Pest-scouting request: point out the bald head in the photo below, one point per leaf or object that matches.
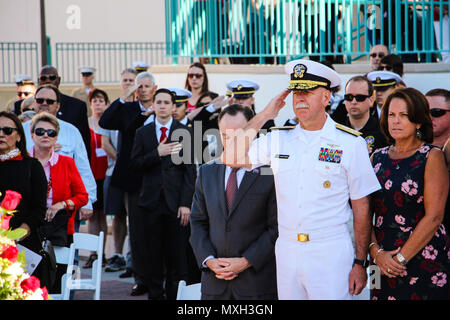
(49, 75)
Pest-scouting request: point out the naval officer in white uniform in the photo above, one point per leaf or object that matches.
(319, 166)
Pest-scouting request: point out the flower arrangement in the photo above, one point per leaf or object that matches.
(15, 283)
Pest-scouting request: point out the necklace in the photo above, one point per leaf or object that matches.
(13, 153)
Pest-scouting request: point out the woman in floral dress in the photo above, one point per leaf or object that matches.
(409, 244)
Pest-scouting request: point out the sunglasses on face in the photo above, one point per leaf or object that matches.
(358, 97)
(45, 78)
(386, 67)
(379, 54)
(48, 101)
(195, 75)
(86, 74)
(7, 130)
(41, 131)
(25, 94)
(437, 113)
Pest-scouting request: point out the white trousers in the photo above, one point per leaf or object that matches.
(314, 270)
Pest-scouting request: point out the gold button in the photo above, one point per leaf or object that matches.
(327, 184)
(303, 237)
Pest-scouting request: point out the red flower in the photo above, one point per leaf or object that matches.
(392, 282)
(399, 243)
(419, 216)
(387, 173)
(379, 235)
(32, 283)
(429, 265)
(44, 293)
(415, 296)
(11, 200)
(10, 253)
(379, 206)
(415, 163)
(5, 221)
(398, 198)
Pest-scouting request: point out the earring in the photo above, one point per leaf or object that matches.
(418, 134)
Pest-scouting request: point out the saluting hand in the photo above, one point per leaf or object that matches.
(165, 149)
(130, 91)
(220, 102)
(276, 104)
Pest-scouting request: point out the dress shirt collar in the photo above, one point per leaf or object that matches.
(184, 121)
(158, 125)
(143, 108)
(53, 157)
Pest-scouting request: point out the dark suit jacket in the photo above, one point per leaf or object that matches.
(74, 111)
(127, 118)
(161, 174)
(249, 230)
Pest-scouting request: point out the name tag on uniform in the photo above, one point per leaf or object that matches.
(330, 155)
(282, 156)
(100, 152)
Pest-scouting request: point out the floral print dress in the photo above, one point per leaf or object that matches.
(399, 207)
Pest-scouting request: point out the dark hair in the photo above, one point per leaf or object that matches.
(362, 79)
(205, 85)
(49, 86)
(98, 93)
(22, 144)
(234, 109)
(439, 93)
(394, 61)
(418, 112)
(164, 90)
(210, 94)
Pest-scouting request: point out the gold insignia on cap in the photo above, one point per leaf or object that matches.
(239, 87)
(327, 184)
(378, 80)
(299, 70)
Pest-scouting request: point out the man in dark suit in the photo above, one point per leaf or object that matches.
(165, 197)
(234, 224)
(71, 110)
(127, 117)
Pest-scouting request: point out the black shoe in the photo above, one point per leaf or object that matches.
(90, 261)
(116, 263)
(127, 274)
(138, 290)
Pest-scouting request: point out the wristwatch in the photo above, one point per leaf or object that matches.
(363, 263)
(401, 258)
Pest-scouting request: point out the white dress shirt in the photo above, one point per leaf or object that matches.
(70, 139)
(158, 127)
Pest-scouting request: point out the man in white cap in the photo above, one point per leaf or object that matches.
(318, 167)
(87, 77)
(140, 66)
(384, 82)
(181, 98)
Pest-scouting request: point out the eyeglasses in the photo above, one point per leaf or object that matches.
(437, 113)
(44, 78)
(25, 94)
(41, 131)
(380, 54)
(7, 130)
(86, 74)
(195, 75)
(387, 67)
(41, 101)
(358, 97)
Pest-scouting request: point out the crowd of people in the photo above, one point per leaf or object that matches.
(250, 210)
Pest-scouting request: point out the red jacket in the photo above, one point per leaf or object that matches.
(67, 185)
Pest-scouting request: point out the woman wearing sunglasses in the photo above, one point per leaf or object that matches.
(64, 189)
(409, 243)
(196, 82)
(21, 173)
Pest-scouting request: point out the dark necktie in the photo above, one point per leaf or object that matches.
(163, 134)
(231, 188)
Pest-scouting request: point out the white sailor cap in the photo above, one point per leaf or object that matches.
(22, 79)
(181, 95)
(308, 75)
(242, 89)
(87, 70)
(140, 66)
(382, 80)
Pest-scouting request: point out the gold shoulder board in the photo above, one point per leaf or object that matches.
(282, 128)
(348, 130)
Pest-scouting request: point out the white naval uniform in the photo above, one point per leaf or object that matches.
(313, 198)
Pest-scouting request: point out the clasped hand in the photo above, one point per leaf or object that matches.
(227, 268)
(165, 149)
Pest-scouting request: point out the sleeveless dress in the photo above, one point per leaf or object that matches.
(398, 208)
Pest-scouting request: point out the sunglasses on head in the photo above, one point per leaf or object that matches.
(25, 94)
(41, 131)
(387, 67)
(358, 97)
(437, 113)
(7, 130)
(379, 54)
(195, 75)
(48, 101)
(45, 78)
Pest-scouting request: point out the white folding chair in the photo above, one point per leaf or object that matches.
(62, 255)
(85, 241)
(190, 292)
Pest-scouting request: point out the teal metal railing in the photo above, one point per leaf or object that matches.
(109, 58)
(18, 58)
(297, 28)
